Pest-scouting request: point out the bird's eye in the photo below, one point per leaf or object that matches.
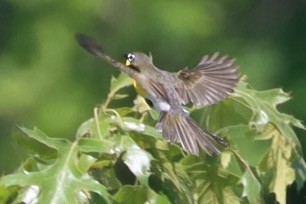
(130, 57)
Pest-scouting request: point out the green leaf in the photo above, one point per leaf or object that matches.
(60, 182)
(252, 186)
(97, 128)
(85, 162)
(93, 145)
(86, 129)
(161, 199)
(132, 194)
(263, 104)
(120, 96)
(118, 83)
(210, 183)
(36, 148)
(123, 111)
(138, 160)
(224, 114)
(139, 194)
(243, 139)
(300, 170)
(141, 105)
(230, 164)
(134, 125)
(7, 194)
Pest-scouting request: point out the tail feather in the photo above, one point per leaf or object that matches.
(181, 128)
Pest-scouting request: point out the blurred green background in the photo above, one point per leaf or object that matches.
(48, 81)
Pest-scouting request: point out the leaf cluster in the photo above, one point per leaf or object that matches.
(118, 157)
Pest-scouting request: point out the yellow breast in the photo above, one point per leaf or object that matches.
(139, 89)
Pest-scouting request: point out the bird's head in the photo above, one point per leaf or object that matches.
(138, 61)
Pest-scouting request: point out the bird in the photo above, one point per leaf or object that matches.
(212, 80)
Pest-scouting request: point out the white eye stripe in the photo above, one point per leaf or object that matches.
(130, 57)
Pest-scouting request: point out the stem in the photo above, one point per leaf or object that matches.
(96, 114)
(107, 102)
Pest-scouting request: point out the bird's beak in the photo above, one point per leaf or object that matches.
(128, 64)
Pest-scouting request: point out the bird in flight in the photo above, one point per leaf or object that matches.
(211, 81)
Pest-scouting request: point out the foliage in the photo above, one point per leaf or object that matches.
(117, 156)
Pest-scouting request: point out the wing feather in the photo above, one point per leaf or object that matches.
(212, 80)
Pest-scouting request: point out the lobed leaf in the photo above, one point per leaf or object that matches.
(60, 182)
(120, 82)
(118, 155)
(278, 161)
(263, 104)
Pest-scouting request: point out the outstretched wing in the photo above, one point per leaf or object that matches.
(212, 80)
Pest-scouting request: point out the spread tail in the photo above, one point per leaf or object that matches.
(181, 128)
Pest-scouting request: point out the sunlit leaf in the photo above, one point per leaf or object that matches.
(138, 160)
(60, 182)
(141, 105)
(123, 111)
(8, 194)
(120, 96)
(279, 162)
(134, 125)
(120, 82)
